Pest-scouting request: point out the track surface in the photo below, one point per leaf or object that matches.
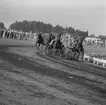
(27, 77)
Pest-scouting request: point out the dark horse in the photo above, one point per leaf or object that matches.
(58, 47)
(49, 43)
(39, 41)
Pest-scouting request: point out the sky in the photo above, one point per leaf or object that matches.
(86, 15)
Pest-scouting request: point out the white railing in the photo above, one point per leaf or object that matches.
(95, 60)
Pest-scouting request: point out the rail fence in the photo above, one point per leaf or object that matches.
(95, 60)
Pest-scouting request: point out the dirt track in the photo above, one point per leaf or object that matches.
(27, 77)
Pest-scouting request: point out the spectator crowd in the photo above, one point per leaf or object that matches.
(13, 34)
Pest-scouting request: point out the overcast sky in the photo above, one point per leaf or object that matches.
(81, 14)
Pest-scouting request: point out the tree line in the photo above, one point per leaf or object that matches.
(37, 26)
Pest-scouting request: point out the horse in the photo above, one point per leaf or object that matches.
(54, 44)
(75, 49)
(58, 47)
(39, 41)
(78, 48)
(49, 43)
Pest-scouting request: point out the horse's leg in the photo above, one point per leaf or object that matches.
(44, 50)
(38, 46)
(82, 55)
(66, 53)
(41, 46)
(75, 54)
(61, 53)
(55, 51)
(77, 57)
(35, 44)
(58, 52)
(48, 49)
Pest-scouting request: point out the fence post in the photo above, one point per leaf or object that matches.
(103, 64)
(95, 60)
